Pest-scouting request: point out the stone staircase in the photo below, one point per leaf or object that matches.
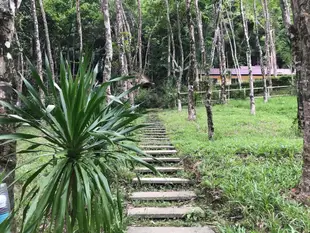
(171, 184)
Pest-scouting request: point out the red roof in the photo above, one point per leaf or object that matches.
(255, 69)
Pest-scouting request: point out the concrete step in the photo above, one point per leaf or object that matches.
(164, 212)
(160, 152)
(160, 180)
(163, 196)
(157, 147)
(162, 160)
(170, 230)
(159, 169)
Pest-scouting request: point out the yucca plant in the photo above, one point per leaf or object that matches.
(88, 139)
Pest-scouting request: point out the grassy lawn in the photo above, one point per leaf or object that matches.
(249, 168)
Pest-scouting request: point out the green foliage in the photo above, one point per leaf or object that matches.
(253, 160)
(85, 141)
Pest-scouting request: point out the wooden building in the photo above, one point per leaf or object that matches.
(232, 76)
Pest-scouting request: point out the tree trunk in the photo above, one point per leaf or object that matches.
(234, 48)
(8, 151)
(201, 37)
(79, 26)
(181, 67)
(208, 106)
(301, 12)
(170, 44)
(261, 58)
(127, 31)
(140, 38)
(294, 39)
(37, 44)
(20, 68)
(120, 44)
(47, 38)
(249, 59)
(267, 41)
(108, 44)
(192, 72)
(222, 59)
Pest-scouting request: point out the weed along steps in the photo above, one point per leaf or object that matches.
(160, 202)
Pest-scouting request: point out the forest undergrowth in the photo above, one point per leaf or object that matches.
(249, 171)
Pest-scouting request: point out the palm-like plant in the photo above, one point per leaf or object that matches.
(85, 134)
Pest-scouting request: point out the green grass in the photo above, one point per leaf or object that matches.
(253, 163)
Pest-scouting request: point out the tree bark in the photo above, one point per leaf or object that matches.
(120, 44)
(169, 40)
(223, 69)
(301, 12)
(249, 59)
(192, 72)
(181, 67)
(234, 48)
(108, 45)
(47, 38)
(140, 38)
(208, 106)
(37, 44)
(261, 58)
(79, 26)
(8, 10)
(200, 36)
(267, 41)
(20, 67)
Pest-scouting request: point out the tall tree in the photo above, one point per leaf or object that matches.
(19, 67)
(36, 35)
(120, 44)
(261, 56)
(181, 66)
(108, 43)
(8, 10)
(140, 37)
(47, 39)
(232, 42)
(268, 41)
(79, 26)
(301, 12)
(192, 72)
(222, 61)
(201, 37)
(294, 39)
(248, 56)
(171, 45)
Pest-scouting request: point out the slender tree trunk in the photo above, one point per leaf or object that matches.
(79, 26)
(140, 38)
(37, 44)
(108, 44)
(201, 37)
(301, 12)
(192, 73)
(181, 68)
(267, 41)
(234, 48)
(223, 70)
(249, 59)
(274, 54)
(208, 106)
(292, 34)
(7, 151)
(47, 38)
(127, 31)
(261, 58)
(20, 67)
(120, 44)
